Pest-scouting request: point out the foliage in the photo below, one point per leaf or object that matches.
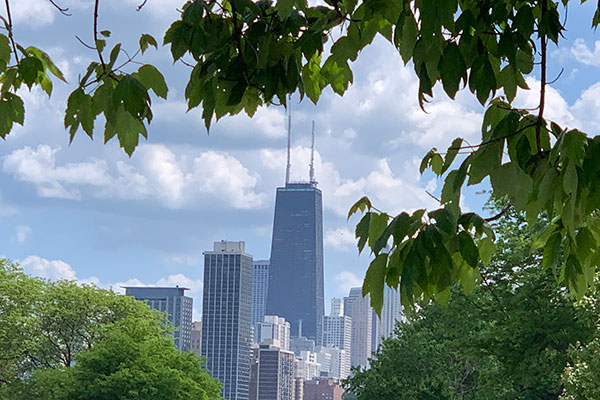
(245, 54)
(60, 340)
(509, 339)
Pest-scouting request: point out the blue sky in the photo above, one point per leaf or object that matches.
(89, 212)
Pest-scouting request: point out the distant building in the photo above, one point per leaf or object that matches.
(307, 366)
(337, 343)
(226, 327)
(337, 307)
(299, 388)
(253, 390)
(359, 309)
(273, 330)
(322, 389)
(391, 313)
(174, 302)
(299, 344)
(260, 288)
(196, 336)
(275, 374)
(338, 366)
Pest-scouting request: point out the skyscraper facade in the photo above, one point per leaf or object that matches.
(226, 327)
(296, 272)
(359, 309)
(260, 287)
(391, 312)
(174, 302)
(275, 374)
(273, 330)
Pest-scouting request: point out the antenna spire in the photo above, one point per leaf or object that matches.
(289, 134)
(312, 156)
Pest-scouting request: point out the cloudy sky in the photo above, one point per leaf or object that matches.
(89, 212)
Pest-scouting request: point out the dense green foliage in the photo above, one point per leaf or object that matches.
(245, 54)
(60, 340)
(512, 338)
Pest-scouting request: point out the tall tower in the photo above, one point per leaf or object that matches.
(296, 271)
(260, 288)
(226, 303)
(359, 309)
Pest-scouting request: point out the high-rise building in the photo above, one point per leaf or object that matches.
(260, 288)
(226, 327)
(174, 302)
(296, 275)
(335, 362)
(337, 342)
(391, 312)
(307, 366)
(301, 343)
(275, 373)
(337, 307)
(196, 336)
(359, 309)
(273, 330)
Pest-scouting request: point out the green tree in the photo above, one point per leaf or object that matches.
(510, 338)
(60, 340)
(244, 54)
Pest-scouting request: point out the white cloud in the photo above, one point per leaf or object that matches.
(339, 239)
(22, 233)
(35, 13)
(39, 167)
(155, 173)
(582, 53)
(47, 269)
(346, 280)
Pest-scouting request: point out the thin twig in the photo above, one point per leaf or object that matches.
(544, 43)
(62, 10)
(141, 5)
(496, 139)
(84, 43)
(10, 30)
(557, 77)
(433, 197)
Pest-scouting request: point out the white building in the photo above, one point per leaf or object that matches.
(338, 359)
(273, 330)
(307, 366)
(196, 345)
(391, 313)
(337, 307)
(359, 309)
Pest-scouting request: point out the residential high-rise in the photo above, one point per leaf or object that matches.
(338, 366)
(174, 302)
(273, 330)
(260, 287)
(296, 276)
(337, 335)
(275, 374)
(226, 327)
(359, 309)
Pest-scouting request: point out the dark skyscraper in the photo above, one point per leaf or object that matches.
(296, 275)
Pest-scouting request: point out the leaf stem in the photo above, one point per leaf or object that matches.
(96, 5)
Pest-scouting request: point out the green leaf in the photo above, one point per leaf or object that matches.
(105, 33)
(377, 225)
(133, 95)
(147, 40)
(100, 45)
(5, 51)
(570, 179)
(375, 281)
(151, 78)
(11, 110)
(362, 204)
(468, 250)
(452, 69)
(451, 153)
(114, 54)
(79, 113)
(485, 161)
(29, 67)
(486, 250)
(362, 231)
(47, 62)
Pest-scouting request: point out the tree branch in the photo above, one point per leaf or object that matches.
(499, 215)
(10, 30)
(96, 4)
(544, 45)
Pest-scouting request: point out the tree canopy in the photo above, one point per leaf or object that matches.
(244, 54)
(517, 336)
(60, 340)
